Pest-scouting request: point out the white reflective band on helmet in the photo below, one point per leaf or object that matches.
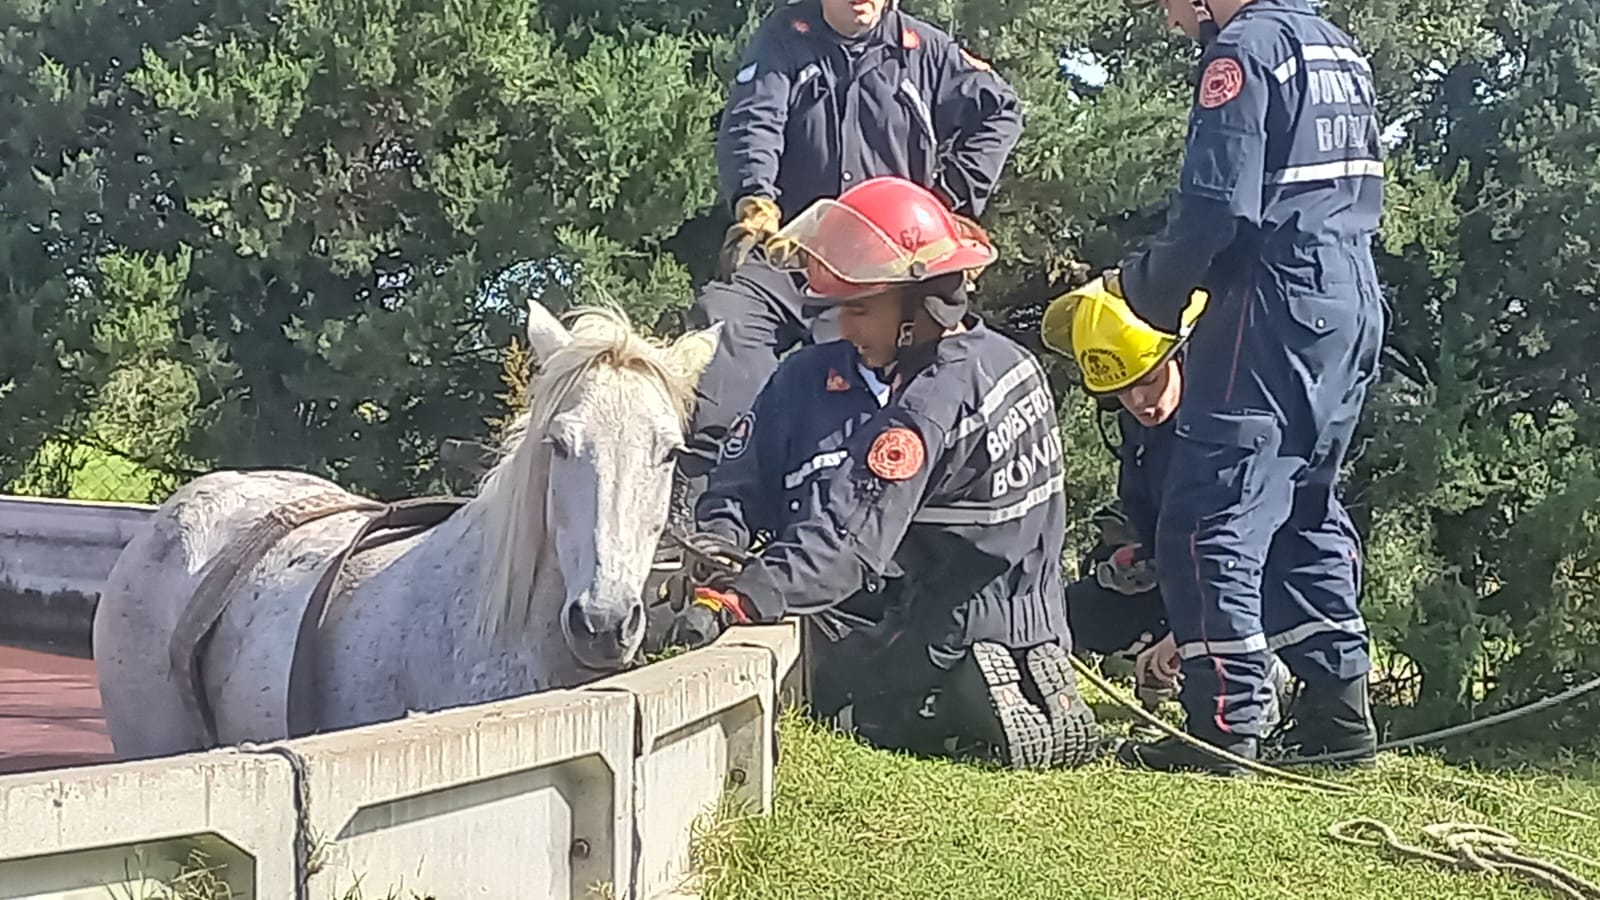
(1343, 168)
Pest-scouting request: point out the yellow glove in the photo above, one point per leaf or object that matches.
(756, 219)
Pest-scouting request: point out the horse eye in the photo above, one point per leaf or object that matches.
(670, 456)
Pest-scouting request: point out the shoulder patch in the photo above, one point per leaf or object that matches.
(740, 435)
(1222, 81)
(973, 61)
(800, 26)
(910, 39)
(836, 382)
(896, 454)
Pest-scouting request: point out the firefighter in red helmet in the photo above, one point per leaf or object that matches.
(910, 477)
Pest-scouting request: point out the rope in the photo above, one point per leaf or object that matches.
(1469, 727)
(1328, 787)
(1472, 848)
(1480, 848)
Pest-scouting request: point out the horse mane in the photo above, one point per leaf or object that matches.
(512, 494)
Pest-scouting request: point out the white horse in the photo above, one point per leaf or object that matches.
(536, 583)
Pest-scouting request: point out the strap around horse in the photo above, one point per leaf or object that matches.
(396, 521)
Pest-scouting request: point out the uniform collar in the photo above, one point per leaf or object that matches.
(891, 31)
(1299, 6)
(847, 364)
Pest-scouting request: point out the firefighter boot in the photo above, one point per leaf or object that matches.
(1332, 725)
(1024, 705)
(1172, 755)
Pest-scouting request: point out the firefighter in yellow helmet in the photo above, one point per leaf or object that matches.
(1127, 365)
(1119, 353)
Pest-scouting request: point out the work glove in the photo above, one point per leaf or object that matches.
(755, 220)
(1113, 527)
(706, 618)
(1125, 573)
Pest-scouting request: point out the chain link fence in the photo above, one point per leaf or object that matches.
(86, 471)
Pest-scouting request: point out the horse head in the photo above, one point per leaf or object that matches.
(585, 483)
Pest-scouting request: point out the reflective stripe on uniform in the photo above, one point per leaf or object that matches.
(813, 465)
(1255, 643)
(1310, 630)
(1342, 168)
(1015, 377)
(1311, 53)
(1333, 53)
(964, 514)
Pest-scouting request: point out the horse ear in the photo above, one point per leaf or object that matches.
(689, 355)
(546, 334)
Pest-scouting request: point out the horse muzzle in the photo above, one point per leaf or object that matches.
(604, 634)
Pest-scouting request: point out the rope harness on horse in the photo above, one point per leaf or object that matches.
(683, 562)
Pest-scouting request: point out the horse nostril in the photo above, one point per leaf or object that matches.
(634, 623)
(578, 623)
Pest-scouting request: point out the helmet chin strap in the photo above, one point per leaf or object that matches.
(1208, 24)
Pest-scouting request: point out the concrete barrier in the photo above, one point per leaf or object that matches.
(524, 798)
(588, 793)
(72, 833)
(706, 732)
(54, 558)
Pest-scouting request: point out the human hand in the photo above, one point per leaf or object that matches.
(756, 220)
(1158, 665)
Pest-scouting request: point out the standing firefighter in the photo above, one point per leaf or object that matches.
(1278, 201)
(830, 94)
(911, 478)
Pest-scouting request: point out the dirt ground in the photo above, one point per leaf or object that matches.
(49, 712)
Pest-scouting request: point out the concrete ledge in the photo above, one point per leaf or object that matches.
(74, 833)
(706, 734)
(522, 798)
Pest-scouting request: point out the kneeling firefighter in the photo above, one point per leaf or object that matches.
(910, 478)
(1135, 371)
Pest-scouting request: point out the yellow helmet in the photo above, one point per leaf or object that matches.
(1113, 347)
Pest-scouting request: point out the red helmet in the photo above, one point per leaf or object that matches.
(881, 232)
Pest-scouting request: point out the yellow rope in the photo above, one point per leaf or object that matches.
(1480, 848)
(1473, 848)
(1251, 764)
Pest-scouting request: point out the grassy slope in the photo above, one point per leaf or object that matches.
(854, 823)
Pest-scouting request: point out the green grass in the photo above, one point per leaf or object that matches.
(852, 822)
(90, 473)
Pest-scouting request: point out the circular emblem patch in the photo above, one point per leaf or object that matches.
(896, 454)
(1102, 365)
(1221, 82)
(739, 434)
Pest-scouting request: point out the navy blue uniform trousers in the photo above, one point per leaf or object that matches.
(1255, 552)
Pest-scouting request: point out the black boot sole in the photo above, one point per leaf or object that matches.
(1026, 731)
(1075, 737)
(1063, 734)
